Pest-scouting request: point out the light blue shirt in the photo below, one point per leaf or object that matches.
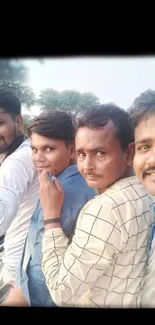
(152, 232)
(30, 276)
(148, 293)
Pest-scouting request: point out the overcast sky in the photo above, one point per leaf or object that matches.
(117, 80)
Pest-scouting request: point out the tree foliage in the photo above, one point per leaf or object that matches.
(24, 92)
(68, 100)
(48, 98)
(14, 74)
(13, 70)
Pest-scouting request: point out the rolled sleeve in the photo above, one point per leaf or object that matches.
(71, 271)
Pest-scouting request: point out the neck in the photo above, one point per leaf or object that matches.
(16, 143)
(72, 162)
(128, 173)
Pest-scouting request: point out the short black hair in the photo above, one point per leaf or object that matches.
(9, 101)
(100, 115)
(143, 106)
(53, 124)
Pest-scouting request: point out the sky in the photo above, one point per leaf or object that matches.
(111, 79)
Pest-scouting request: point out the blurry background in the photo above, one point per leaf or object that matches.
(75, 84)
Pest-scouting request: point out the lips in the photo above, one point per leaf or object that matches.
(42, 167)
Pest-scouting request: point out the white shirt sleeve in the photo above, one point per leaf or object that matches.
(71, 271)
(15, 174)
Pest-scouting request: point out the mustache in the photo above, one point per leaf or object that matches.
(147, 170)
(90, 174)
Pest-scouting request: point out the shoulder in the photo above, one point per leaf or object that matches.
(126, 190)
(24, 150)
(124, 198)
(77, 184)
(21, 155)
(76, 195)
(20, 160)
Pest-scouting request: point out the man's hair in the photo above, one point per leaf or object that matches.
(99, 116)
(9, 102)
(143, 106)
(53, 124)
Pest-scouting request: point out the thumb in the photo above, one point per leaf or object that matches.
(58, 185)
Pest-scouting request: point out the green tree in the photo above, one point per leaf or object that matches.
(13, 74)
(49, 98)
(24, 92)
(68, 100)
(13, 70)
(87, 100)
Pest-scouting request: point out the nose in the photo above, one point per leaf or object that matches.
(151, 157)
(39, 157)
(88, 164)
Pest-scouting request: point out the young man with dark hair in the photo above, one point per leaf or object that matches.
(143, 119)
(52, 138)
(18, 187)
(105, 264)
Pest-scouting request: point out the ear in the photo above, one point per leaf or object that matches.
(19, 123)
(72, 150)
(130, 151)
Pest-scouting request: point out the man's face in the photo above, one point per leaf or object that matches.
(50, 154)
(144, 159)
(9, 129)
(100, 158)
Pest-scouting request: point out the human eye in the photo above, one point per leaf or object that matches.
(34, 150)
(100, 153)
(49, 149)
(143, 147)
(80, 154)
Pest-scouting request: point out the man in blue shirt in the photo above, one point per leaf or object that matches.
(52, 138)
(143, 117)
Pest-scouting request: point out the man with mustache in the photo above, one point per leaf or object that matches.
(105, 264)
(143, 118)
(18, 188)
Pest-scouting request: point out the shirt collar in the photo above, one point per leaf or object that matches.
(69, 171)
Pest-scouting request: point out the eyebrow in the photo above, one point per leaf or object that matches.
(143, 140)
(45, 146)
(92, 149)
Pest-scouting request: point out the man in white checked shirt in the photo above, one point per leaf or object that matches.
(105, 264)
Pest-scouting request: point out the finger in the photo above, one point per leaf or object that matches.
(58, 185)
(44, 176)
